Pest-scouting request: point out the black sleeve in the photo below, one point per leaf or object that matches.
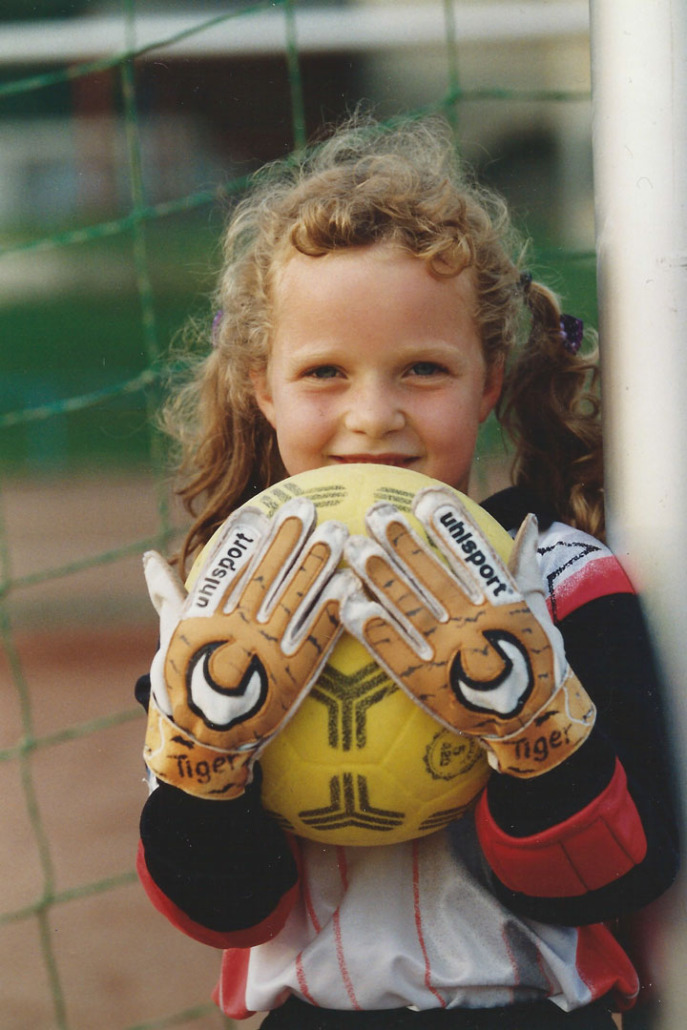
(225, 864)
(608, 646)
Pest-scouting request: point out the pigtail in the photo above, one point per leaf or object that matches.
(550, 408)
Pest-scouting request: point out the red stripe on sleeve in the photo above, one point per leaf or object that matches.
(599, 578)
(591, 849)
(247, 938)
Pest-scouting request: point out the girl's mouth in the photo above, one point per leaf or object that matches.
(398, 460)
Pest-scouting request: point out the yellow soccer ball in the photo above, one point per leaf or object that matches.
(360, 763)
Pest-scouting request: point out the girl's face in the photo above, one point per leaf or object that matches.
(375, 360)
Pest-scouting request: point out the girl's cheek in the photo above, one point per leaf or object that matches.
(314, 410)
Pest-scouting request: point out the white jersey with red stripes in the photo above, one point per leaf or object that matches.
(413, 925)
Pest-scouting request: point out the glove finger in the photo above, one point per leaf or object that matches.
(168, 596)
(523, 563)
(273, 562)
(393, 585)
(223, 569)
(479, 569)
(164, 585)
(393, 643)
(525, 544)
(524, 566)
(315, 565)
(314, 633)
(430, 578)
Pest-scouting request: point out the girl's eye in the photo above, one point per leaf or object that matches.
(322, 372)
(426, 368)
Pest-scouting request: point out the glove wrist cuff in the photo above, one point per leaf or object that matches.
(558, 729)
(178, 759)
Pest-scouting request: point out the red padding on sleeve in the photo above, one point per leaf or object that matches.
(263, 931)
(590, 850)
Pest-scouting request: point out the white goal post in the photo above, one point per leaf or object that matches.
(639, 88)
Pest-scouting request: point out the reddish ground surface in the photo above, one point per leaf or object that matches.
(81, 641)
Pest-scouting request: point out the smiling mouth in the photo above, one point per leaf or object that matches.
(398, 460)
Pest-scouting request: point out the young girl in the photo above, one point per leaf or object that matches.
(373, 309)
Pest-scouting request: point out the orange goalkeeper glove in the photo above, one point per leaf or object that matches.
(240, 651)
(472, 643)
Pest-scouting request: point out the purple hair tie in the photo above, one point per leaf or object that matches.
(215, 327)
(572, 330)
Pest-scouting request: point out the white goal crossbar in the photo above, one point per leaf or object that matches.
(343, 28)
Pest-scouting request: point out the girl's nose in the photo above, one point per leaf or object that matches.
(374, 410)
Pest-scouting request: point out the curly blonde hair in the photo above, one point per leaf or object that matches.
(370, 184)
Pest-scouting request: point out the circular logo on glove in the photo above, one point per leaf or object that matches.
(506, 694)
(220, 707)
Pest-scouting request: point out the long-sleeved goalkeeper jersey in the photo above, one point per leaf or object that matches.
(511, 903)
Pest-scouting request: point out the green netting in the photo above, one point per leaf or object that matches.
(126, 386)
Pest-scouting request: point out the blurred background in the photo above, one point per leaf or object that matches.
(127, 130)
